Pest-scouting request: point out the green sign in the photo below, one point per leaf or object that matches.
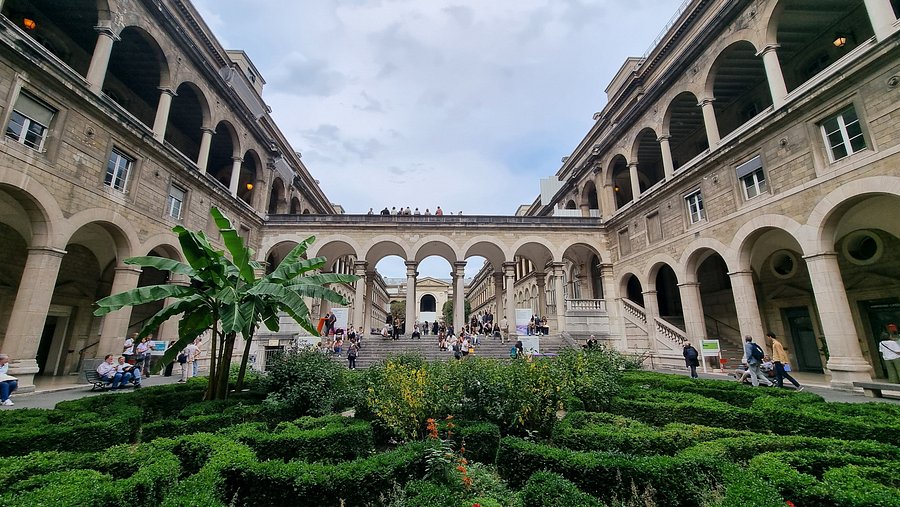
(710, 347)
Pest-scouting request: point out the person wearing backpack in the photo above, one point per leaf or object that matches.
(691, 358)
(754, 356)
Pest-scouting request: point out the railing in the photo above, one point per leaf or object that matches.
(666, 330)
(635, 310)
(432, 220)
(591, 305)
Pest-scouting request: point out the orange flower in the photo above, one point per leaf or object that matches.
(789, 503)
(461, 469)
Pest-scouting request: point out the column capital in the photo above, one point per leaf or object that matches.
(706, 101)
(168, 91)
(663, 138)
(740, 272)
(632, 164)
(768, 48)
(237, 159)
(107, 31)
(47, 250)
(360, 267)
(126, 268)
(649, 293)
(411, 264)
(689, 284)
(541, 281)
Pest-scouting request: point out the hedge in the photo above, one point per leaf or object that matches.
(591, 431)
(202, 423)
(81, 432)
(667, 480)
(329, 439)
(107, 479)
(481, 439)
(248, 482)
(202, 458)
(547, 488)
(429, 494)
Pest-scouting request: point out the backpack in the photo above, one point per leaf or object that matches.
(182, 358)
(757, 353)
(513, 353)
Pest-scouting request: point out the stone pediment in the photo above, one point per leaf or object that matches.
(870, 280)
(788, 291)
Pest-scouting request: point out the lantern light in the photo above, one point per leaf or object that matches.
(249, 186)
(29, 23)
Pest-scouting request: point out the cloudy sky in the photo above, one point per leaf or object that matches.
(464, 104)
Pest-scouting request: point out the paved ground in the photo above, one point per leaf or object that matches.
(48, 399)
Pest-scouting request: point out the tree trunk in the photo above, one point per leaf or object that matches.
(245, 358)
(211, 391)
(225, 366)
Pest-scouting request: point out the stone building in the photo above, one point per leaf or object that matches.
(123, 119)
(747, 176)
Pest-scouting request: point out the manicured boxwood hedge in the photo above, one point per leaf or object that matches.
(25, 431)
(327, 439)
(250, 483)
(203, 422)
(481, 439)
(547, 488)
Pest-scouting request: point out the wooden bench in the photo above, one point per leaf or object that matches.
(98, 383)
(873, 389)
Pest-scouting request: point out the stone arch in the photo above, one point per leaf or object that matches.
(251, 167)
(656, 263)
(138, 68)
(276, 197)
(709, 73)
(40, 207)
(589, 195)
(698, 250)
(739, 84)
(333, 247)
(119, 228)
(619, 178)
(435, 245)
(746, 236)
(487, 247)
(648, 154)
(683, 123)
(189, 114)
(163, 243)
(823, 220)
(386, 245)
(224, 148)
(631, 287)
(533, 249)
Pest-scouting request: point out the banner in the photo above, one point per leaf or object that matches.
(530, 344)
(341, 315)
(523, 318)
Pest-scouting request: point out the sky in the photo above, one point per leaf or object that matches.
(463, 104)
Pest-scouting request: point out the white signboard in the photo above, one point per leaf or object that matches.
(341, 315)
(530, 344)
(523, 318)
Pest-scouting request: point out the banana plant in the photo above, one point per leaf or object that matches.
(226, 297)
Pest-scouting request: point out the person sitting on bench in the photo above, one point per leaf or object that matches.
(116, 374)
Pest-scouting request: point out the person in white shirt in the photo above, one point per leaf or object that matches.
(129, 373)
(128, 348)
(142, 354)
(109, 371)
(8, 383)
(187, 370)
(889, 346)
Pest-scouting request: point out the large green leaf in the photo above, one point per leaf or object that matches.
(162, 264)
(232, 318)
(184, 305)
(240, 254)
(325, 278)
(140, 296)
(294, 261)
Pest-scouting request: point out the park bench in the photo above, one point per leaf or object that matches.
(873, 389)
(98, 383)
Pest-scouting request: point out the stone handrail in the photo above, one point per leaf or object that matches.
(431, 220)
(595, 305)
(666, 330)
(635, 310)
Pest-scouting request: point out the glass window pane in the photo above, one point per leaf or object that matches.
(849, 115)
(839, 151)
(16, 122)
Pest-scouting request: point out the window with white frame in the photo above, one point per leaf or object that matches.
(752, 177)
(175, 201)
(118, 169)
(843, 134)
(29, 122)
(694, 203)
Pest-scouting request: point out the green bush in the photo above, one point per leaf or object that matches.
(429, 494)
(547, 488)
(832, 420)
(203, 423)
(202, 457)
(665, 480)
(249, 482)
(328, 439)
(306, 383)
(480, 439)
(77, 432)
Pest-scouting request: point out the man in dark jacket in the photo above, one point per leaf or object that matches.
(691, 358)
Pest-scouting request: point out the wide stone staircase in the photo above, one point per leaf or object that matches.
(375, 348)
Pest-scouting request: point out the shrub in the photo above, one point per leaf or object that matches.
(329, 438)
(202, 457)
(306, 383)
(248, 482)
(429, 494)
(77, 432)
(665, 480)
(548, 488)
(235, 414)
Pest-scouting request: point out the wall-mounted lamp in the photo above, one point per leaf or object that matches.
(249, 186)
(29, 23)
(616, 188)
(840, 40)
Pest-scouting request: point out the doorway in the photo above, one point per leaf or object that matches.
(803, 335)
(878, 313)
(51, 357)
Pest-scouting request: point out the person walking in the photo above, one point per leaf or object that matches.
(889, 346)
(352, 352)
(781, 361)
(753, 355)
(691, 358)
(504, 330)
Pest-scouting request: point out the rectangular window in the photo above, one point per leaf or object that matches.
(29, 122)
(694, 203)
(175, 201)
(624, 242)
(843, 134)
(117, 170)
(654, 228)
(752, 177)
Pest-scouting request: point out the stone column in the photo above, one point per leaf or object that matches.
(359, 299)
(96, 73)
(115, 324)
(585, 210)
(749, 321)
(459, 295)
(608, 200)
(259, 193)
(29, 313)
(882, 17)
(635, 181)
(612, 305)
(709, 121)
(235, 175)
(411, 295)
(498, 296)
(205, 143)
(559, 270)
(509, 269)
(541, 279)
(668, 164)
(773, 74)
(694, 319)
(651, 310)
(162, 114)
(846, 360)
(370, 295)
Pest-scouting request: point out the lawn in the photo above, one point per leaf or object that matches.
(582, 429)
